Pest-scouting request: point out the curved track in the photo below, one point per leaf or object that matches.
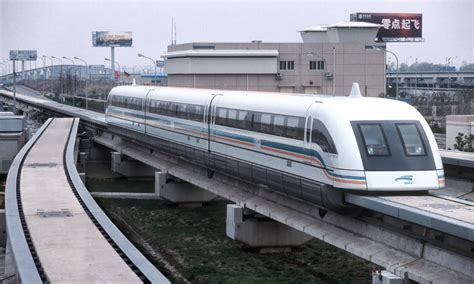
(56, 230)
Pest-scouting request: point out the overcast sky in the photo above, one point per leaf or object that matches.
(63, 28)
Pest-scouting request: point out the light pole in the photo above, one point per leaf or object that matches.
(448, 61)
(152, 60)
(396, 75)
(73, 82)
(409, 79)
(44, 74)
(88, 78)
(107, 59)
(51, 72)
(61, 73)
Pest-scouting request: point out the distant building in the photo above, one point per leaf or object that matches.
(329, 60)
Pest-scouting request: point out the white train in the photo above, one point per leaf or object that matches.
(310, 147)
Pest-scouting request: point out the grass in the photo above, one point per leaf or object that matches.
(194, 240)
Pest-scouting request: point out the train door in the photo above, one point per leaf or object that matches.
(317, 142)
(209, 118)
(146, 109)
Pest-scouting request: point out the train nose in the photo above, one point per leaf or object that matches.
(404, 180)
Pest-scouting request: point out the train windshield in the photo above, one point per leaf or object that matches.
(393, 145)
(411, 139)
(374, 140)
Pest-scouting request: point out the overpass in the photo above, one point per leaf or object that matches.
(433, 79)
(421, 238)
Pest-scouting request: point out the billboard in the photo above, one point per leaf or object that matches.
(395, 26)
(23, 55)
(104, 38)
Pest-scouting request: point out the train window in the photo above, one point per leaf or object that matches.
(199, 113)
(322, 137)
(181, 111)
(374, 140)
(279, 125)
(232, 118)
(251, 120)
(265, 123)
(411, 139)
(242, 121)
(295, 127)
(190, 112)
(221, 116)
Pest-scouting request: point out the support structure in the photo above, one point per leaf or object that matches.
(178, 191)
(258, 231)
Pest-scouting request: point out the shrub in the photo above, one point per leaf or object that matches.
(464, 142)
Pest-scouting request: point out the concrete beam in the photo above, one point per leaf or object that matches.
(261, 232)
(130, 168)
(180, 191)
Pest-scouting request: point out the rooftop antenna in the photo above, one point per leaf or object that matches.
(355, 91)
(173, 31)
(172, 28)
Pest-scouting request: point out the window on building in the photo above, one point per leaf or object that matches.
(291, 65)
(287, 65)
(316, 65)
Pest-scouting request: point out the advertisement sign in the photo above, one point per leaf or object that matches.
(395, 26)
(23, 55)
(105, 38)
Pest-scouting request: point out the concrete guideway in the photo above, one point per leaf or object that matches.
(449, 215)
(400, 254)
(55, 232)
(457, 158)
(42, 103)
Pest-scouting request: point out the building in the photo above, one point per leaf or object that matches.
(328, 60)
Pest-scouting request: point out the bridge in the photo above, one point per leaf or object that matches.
(421, 238)
(433, 79)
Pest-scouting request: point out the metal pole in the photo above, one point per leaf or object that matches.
(14, 88)
(396, 76)
(334, 71)
(152, 60)
(74, 81)
(88, 78)
(112, 59)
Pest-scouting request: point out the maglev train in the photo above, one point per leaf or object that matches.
(311, 147)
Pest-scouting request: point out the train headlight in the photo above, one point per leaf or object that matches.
(370, 150)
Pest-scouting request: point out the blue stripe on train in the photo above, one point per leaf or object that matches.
(277, 145)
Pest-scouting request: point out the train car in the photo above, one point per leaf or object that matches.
(310, 147)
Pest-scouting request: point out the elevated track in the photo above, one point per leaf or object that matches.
(56, 231)
(426, 238)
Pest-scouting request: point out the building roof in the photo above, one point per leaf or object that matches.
(317, 28)
(222, 53)
(354, 25)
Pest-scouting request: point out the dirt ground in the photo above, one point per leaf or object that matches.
(190, 245)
